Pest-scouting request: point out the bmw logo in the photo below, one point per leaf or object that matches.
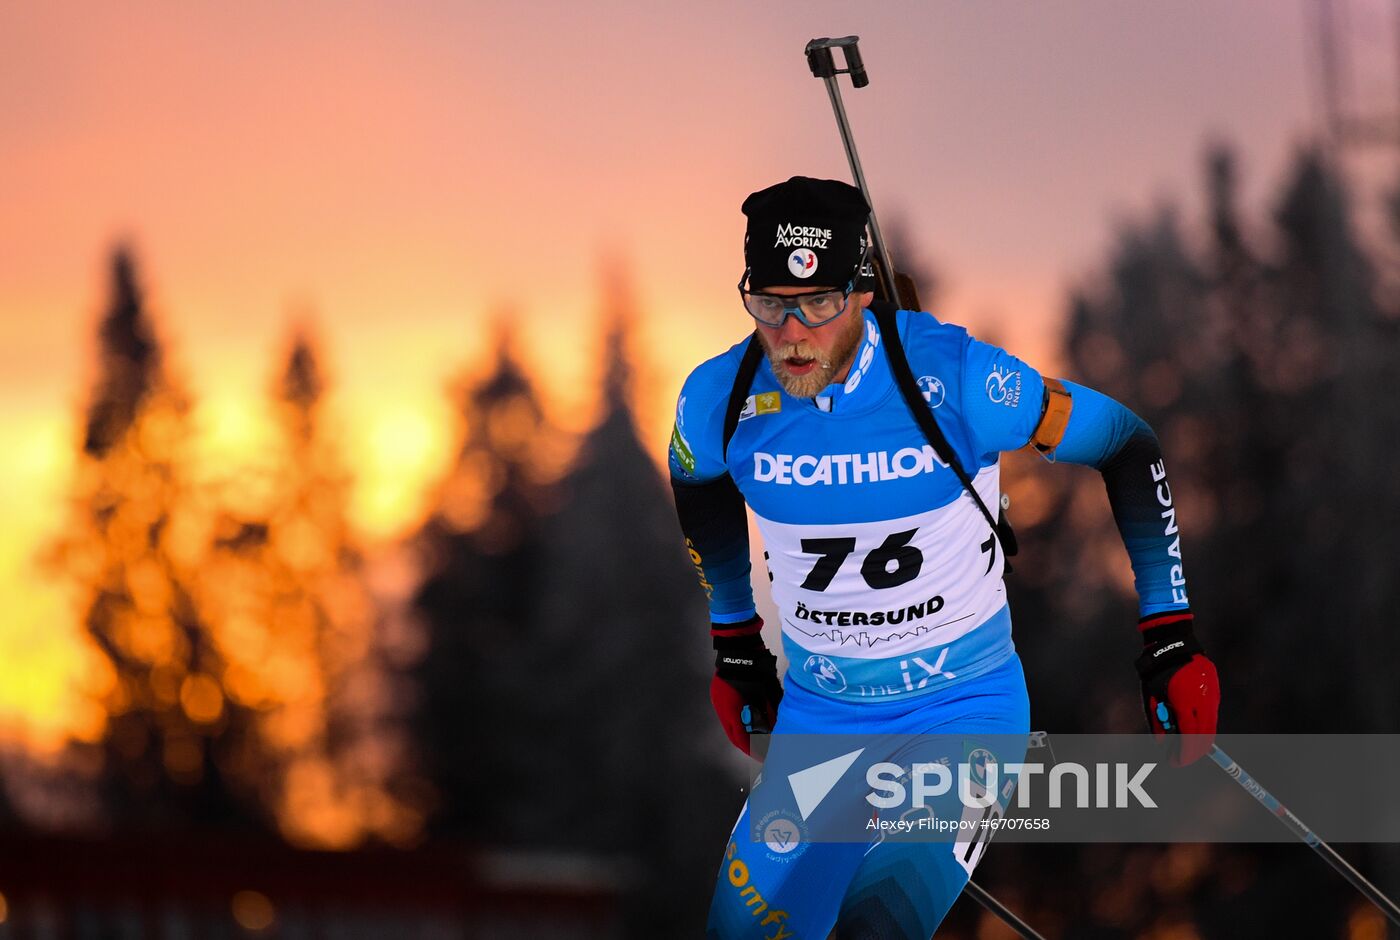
(826, 674)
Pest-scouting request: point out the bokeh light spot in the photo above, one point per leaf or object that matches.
(202, 699)
(253, 910)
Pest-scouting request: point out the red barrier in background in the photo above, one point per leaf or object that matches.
(221, 885)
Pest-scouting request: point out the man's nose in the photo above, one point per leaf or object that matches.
(793, 331)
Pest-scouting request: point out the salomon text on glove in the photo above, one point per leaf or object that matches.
(745, 690)
(1180, 688)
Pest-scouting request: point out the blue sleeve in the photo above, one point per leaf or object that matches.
(1107, 436)
(696, 453)
(708, 504)
(1001, 398)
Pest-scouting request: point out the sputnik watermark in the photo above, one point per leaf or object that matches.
(1115, 786)
(1120, 788)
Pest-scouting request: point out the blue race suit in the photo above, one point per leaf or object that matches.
(888, 581)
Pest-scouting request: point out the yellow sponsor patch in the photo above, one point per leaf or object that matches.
(767, 403)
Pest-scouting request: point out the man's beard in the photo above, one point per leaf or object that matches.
(810, 384)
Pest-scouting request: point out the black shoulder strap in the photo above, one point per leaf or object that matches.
(914, 399)
(743, 381)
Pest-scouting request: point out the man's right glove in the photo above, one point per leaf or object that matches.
(745, 690)
(1180, 688)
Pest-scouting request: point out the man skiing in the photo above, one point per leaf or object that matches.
(886, 562)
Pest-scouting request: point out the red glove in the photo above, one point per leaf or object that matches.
(745, 690)
(1180, 689)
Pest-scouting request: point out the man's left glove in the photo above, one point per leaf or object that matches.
(745, 690)
(1180, 689)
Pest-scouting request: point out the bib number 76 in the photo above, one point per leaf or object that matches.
(892, 563)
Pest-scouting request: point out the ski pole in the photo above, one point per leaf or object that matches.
(1285, 816)
(823, 66)
(980, 895)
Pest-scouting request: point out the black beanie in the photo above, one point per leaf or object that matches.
(805, 232)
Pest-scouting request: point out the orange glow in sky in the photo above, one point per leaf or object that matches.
(399, 172)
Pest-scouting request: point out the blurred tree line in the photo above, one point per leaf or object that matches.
(1263, 358)
(1263, 353)
(556, 702)
(563, 689)
(234, 630)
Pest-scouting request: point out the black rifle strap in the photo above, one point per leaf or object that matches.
(743, 381)
(914, 399)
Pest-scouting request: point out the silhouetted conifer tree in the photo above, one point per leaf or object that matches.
(133, 548)
(624, 639)
(287, 590)
(481, 672)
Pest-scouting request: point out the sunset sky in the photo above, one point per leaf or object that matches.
(400, 173)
